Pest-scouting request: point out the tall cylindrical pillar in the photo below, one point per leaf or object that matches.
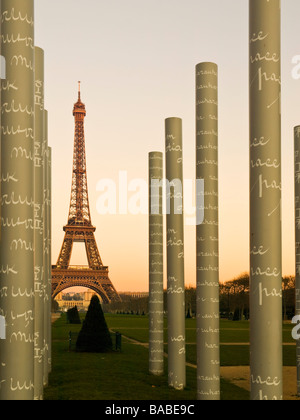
(39, 224)
(2, 77)
(156, 274)
(49, 236)
(208, 323)
(17, 161)
(47, 297)
(297, 240)
(175, 254)
(265, 201)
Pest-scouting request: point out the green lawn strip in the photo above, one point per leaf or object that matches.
(229, 355)
(230, 332)
(137, 328)
(239, 355)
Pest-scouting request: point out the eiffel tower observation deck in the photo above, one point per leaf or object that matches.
(80, 229)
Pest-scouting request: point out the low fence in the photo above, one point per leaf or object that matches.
(116, 339)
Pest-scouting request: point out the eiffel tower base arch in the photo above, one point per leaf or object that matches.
(96, 280)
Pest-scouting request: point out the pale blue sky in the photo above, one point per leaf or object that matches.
(136, 60)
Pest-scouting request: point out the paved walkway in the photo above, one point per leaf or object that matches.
(240, 376)
(55, 317)
(133, 341)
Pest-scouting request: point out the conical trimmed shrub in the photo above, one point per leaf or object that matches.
(94, 336)
(73, 316)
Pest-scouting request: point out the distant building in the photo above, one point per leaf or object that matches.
(70, 300)
(135, 295)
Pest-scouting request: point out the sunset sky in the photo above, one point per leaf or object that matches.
(136, 60)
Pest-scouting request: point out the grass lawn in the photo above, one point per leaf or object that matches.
(124, 375)
(136, 327)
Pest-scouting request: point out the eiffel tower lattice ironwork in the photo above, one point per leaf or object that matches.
(80, 229)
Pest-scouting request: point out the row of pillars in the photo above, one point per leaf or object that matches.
(207, 245)
(25, 248)
(266, 363)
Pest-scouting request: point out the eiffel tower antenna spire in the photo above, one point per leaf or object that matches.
(79, 227)
(79, 212)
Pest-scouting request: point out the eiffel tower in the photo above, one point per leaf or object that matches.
(80, 229)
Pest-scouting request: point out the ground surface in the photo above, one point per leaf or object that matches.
(125, 375)
(240, 376)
